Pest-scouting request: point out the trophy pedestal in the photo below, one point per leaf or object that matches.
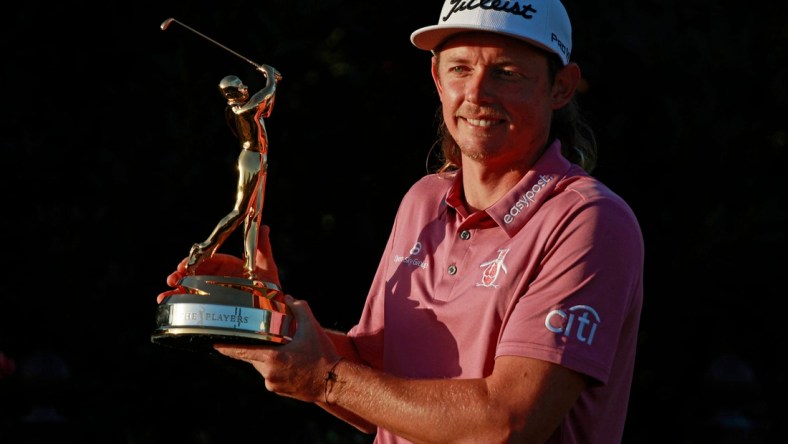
(222, 309)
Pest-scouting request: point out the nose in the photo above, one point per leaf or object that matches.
(478, 89)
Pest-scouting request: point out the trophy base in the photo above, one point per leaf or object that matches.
(222, 309)
(205, 338)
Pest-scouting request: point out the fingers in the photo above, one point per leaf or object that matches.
(246, 353)
(229, 265)
(299, 307)
(163, 295)
(265, 266)
(304, 321)
(174, 278)
(264, 242)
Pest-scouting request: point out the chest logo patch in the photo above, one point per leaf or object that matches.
(492, 269)
(411, 260)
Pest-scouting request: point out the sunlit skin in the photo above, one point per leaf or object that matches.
(497, 104)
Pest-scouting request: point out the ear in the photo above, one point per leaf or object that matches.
(436, 77)
(565, 84)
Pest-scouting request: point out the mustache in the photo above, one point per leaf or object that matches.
(480, 112)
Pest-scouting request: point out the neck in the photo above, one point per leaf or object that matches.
(484, 186)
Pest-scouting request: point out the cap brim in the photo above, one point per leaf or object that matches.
(430, 37)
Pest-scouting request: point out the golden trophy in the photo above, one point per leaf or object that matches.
(206, 309)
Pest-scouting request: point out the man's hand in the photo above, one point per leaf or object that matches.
(228, 265)
(297, 369)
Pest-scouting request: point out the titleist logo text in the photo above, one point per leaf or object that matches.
(496, 5)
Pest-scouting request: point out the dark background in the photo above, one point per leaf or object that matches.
(116, 160)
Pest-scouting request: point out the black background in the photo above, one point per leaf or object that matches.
(117, 159)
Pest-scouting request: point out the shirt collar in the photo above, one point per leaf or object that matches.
(514, 209)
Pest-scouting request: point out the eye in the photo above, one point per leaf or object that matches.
(508, 74)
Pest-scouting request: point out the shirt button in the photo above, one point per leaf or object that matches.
(465, 235)
(452, 270)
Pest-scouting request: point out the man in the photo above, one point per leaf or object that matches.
(507, 302)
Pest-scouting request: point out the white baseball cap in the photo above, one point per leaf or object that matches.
(543, 23)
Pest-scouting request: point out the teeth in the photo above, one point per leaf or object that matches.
(481, 122)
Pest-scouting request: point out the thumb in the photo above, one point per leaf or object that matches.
(263, 239)
(302, 314)
(264, 257)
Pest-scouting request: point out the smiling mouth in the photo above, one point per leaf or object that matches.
(483, 122)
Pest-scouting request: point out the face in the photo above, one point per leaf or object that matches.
(497, 97)
(235, 91)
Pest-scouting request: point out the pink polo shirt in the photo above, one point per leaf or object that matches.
(553, 271)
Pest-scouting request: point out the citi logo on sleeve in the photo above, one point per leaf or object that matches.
(574, 323)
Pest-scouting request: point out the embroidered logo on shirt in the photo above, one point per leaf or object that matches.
(576, 323)
(410, 260)
(527, 198)
(492, 269)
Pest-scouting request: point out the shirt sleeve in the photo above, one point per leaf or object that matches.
(581, 305)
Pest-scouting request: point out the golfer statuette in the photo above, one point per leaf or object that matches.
(206, 309)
